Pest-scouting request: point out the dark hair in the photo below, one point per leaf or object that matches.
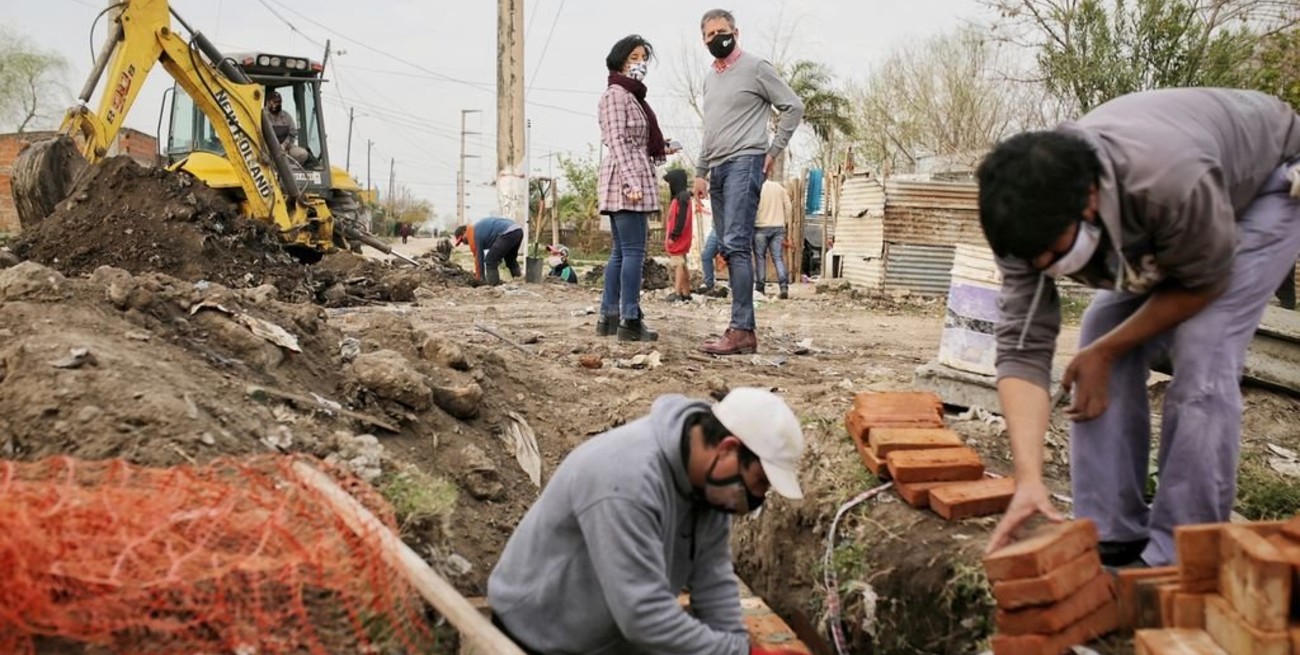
(718, 13)
(1032, 187)
(273, 95)
(460, 231)
(715, 432)
(623, 49)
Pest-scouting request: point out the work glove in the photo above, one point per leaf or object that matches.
(757, 650)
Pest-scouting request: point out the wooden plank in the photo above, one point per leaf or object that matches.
(1234, 634)
(1255, 580)
(444, 598)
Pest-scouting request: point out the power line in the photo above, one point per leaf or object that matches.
(542, 58)
(292, 27)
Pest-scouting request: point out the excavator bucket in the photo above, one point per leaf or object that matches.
(43, 175)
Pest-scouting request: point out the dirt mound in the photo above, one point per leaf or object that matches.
(151, 220)
(654, 276)
(346, 280)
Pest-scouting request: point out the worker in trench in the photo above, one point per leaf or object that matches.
(636, 515)
(1181, 207)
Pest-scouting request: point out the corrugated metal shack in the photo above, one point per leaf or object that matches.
(900, 234)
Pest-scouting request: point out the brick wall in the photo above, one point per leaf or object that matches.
(139, 146)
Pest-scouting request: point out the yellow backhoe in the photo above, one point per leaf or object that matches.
(220, 132)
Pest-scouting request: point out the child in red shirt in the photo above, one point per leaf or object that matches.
(677, 232)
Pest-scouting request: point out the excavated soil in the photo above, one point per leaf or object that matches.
(148, 220)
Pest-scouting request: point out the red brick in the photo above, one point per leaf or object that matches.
(1049, 548)
(1176, 641)
(944, 464)
(1055, 586)
(1198, 556)
(1099, 623)
(917, 494)
(1255, 579)
(968, 499)
(1236, 635)
(766, 629)
(1189, 611)
(887, 440)
(909, 409)
(1055, 618)
(1128, 588)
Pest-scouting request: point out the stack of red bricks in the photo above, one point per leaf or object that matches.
(901, 436)
(1051, 591)
(1232, 592)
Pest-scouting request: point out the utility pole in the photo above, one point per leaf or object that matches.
(369, 144)
(460, 173)
(512, 181)
(392, 186)
(351, 117)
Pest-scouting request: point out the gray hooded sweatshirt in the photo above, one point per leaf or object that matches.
(597, 563)
(1179, 166)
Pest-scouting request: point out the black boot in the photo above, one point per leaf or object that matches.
(636, 330)
(607, 325)
(785, 293)
(492, 275)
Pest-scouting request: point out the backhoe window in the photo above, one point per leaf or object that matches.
(309, 135)
(190, 129)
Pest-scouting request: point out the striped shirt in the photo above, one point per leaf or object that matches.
(625, 131)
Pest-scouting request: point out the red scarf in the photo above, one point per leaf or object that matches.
(655, 145)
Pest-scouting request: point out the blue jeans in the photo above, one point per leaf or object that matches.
(734, 186)
(622, 295)
(773, 239)
(710, 251)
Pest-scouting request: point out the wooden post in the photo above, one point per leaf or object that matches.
(473, 626)
(799, 211)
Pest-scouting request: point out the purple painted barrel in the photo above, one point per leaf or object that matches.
(968, 342)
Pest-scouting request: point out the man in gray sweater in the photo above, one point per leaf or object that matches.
(740, 91)
(1183, 207)
(635, 515)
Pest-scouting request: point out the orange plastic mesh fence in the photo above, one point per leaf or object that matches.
(233, 557)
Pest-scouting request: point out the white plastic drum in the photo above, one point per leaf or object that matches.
(968, 342)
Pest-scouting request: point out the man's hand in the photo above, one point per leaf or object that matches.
(1088, 376)
(1031, 498)
(768, 160)
(701, 188)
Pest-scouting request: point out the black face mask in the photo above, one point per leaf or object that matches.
(722, 45)
(730, 494)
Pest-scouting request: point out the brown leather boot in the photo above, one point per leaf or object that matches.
(733, 342)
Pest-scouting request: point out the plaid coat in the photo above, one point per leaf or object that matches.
(627, 165)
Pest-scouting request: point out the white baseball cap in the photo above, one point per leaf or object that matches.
(768, 427)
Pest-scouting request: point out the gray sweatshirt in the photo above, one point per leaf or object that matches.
(597, 563)
(738, 103)
(1179, 166)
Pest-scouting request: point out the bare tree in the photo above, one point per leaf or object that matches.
(31, 88)
(948, 97)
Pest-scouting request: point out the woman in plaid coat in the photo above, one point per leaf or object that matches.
(629, 188)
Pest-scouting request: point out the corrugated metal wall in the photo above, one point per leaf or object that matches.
(919, 269)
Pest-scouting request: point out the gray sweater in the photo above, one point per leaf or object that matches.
(1178, 168)
(738, 103)
(596, 564)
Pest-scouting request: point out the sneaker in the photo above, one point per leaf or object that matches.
(717, 292)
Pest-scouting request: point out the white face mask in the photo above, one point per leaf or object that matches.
(638, 71)
(1085, 245)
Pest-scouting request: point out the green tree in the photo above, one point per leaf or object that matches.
(826, 108)
(1089, 51)
(1278, 66)
(31, 88)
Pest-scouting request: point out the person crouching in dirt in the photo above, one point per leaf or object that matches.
(633, 516)
(559, 261)
(492, 240)
(1182, 206)
(677, 232)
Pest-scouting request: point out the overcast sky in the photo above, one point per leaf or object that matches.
(408, 67)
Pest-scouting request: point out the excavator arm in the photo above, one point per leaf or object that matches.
(140, 37)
